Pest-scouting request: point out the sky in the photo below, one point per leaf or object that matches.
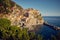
(46, 7)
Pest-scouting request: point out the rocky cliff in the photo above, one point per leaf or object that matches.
(24, 18)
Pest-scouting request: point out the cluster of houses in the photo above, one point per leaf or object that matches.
(26, 18)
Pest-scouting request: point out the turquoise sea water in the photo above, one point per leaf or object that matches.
(45, 31)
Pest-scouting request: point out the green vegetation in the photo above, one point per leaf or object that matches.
(6, 5)
(8, 32)
(4, 22)
(53, 37)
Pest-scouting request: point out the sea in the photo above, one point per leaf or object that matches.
(46, 31)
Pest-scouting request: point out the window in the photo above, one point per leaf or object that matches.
(26, 14)
(23, 19)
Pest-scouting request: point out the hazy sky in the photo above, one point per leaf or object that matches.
(46, 7)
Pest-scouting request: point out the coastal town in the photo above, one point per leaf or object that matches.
(26, 18)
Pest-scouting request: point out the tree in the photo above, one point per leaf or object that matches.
(4, 22)
(39, 37)
(8, 32)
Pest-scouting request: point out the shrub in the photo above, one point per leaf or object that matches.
(8, 32)
(4, 22)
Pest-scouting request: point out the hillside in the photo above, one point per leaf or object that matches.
(6, 5)
(25, 18)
